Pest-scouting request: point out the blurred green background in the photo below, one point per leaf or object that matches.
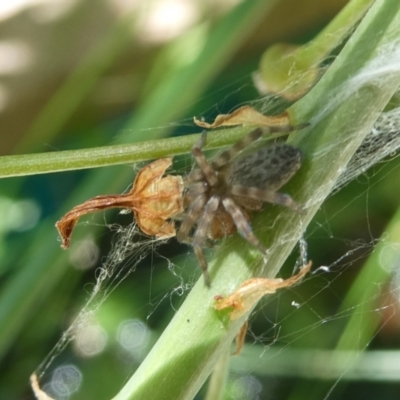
(77, 74)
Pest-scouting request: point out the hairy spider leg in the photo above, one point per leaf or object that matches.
(265, 196)
(202, 162)
(196, 193)
(201, 234)
(242, 225)
(207, 170)
(194, 212)
(183, 236)
(221, 159)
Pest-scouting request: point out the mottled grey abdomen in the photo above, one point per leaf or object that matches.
(268, 168)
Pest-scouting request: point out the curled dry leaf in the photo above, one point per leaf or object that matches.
(39, 394)
(240, 338)
(154, 199)
(251, 291)
(248, 294)
(245, 115)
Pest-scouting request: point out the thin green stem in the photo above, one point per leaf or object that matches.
(58, 161)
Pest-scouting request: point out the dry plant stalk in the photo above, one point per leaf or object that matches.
(245, 115)
(154, 199)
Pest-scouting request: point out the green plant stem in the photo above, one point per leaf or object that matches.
(189, 348)
(59, 161)
(381, 366)
(367, 287)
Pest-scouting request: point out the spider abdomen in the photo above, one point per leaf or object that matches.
(267, 168)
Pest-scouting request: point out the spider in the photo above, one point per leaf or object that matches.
(220, 193)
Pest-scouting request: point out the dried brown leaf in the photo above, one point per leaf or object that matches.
(240, 338)
(245, 115)
(154, 199)
(251, 291)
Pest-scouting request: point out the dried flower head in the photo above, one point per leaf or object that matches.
(154, 200)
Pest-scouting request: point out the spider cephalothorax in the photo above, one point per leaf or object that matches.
(222, 191)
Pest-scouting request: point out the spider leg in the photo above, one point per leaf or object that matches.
(200, 158)
(242, 225)
(190, 219)
(203, 264)
(267, 196)
(196, 189)
(201, 234)
(196, 175)
(223, 158)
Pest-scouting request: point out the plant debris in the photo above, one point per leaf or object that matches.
(154, 199)
(251, 291)
(245, 115)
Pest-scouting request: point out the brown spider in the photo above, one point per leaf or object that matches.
(221, 192)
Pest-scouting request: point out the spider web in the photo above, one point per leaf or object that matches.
(279, 351)
(276, 351)
(250, 378)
